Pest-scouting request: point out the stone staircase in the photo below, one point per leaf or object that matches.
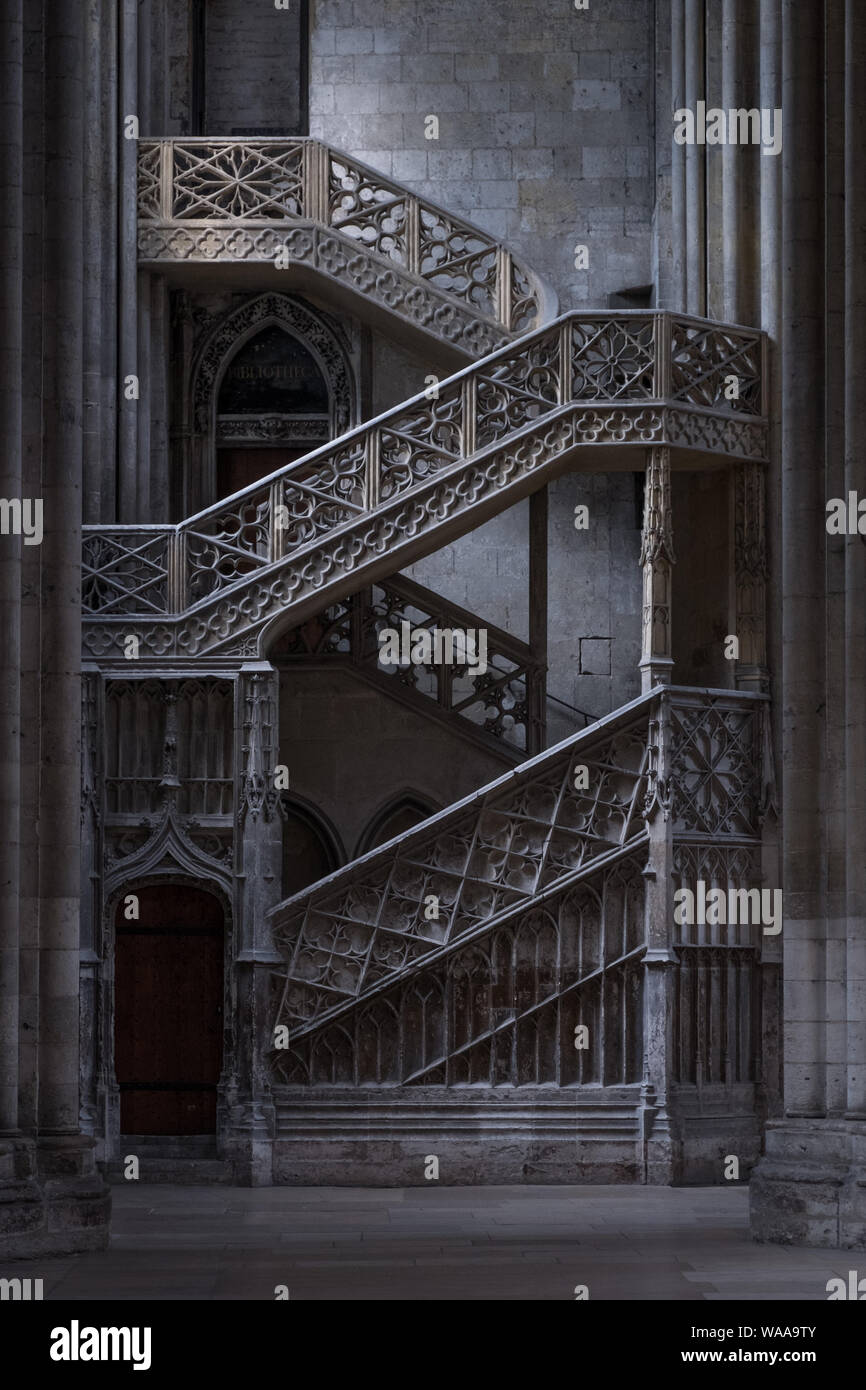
(589, 389)
(522, 940)
(443, 983)
(186, 1160)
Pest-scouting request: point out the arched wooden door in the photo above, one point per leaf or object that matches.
(168, 1024)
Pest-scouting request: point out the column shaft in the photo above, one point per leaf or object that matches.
(855, 569)
(657, 559)
(60, 711)
(11, 440)
(803, 543)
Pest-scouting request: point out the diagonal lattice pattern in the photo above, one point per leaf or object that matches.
(463, 872)
(125, 571)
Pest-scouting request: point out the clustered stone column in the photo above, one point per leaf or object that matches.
(11, 276)
(258, 878)
(809, 1186)
(54, 1200)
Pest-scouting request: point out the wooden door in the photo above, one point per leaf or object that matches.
(240, 468)
(168, 1011)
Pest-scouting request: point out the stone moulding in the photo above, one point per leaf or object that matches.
(401, 485)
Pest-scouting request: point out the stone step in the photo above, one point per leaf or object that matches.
(187, 1172)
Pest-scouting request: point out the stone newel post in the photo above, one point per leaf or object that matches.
(657, 560)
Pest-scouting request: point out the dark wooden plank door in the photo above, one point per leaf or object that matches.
(168, 1011)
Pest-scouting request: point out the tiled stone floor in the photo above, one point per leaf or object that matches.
(436, 1243)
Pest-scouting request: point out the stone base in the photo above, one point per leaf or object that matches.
(53, 1199)
(810, 1186)
(359, 1137)
(713, 1124)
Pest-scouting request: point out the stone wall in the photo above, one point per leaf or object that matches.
(351, 751)
(546, 121)
(702, 579)
(253, 68)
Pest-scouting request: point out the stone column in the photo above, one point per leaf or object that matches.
(657, 560)
(739, 246)
(803, 544)
(677, 288)
(750, 576)
(660, 1157)
(127, 269)
(11, 273)
(59, 791)
(855, 567)
(795, 1189)
(258, 889)
(695, 163)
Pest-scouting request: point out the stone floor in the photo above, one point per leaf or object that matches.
(436, 1243)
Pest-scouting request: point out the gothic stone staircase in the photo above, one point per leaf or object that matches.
(510, 970)
(434, 994)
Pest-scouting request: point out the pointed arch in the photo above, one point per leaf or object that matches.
(398, 814)
(317, 333)
(312, 847)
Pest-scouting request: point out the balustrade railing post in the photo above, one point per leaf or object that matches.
(413, 236)
(470, 400)
(166, 179)
(503, 286)
(663, 329)
(316, 157)
(177, 598)
(277, 531)
(565, 379)
(536, 710)
(371, 470)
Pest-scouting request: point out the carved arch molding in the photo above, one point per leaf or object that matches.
(323, 337)
(312, 328)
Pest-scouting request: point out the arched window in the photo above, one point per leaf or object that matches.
(311, 848)
(395, 819)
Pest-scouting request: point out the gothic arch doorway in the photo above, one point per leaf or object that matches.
(168, 1024)
(273, 407)
(274, 379)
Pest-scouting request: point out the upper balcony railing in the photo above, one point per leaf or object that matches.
(300, 200)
